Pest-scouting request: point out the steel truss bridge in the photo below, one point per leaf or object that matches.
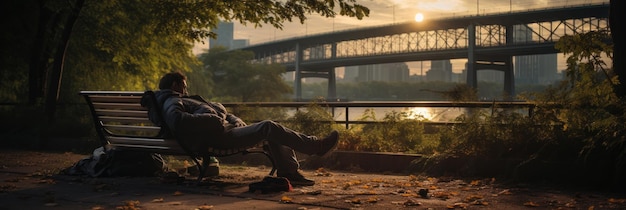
(488, 42)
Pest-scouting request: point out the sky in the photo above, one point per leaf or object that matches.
(386, 12)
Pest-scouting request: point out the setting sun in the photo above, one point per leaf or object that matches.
(419, 17)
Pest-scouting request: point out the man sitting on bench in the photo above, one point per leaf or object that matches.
(202, 124)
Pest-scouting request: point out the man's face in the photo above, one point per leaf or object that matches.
(180, 87)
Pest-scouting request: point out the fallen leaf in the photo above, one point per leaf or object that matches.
(286, 199)
(505, 192)
(480, 203)
(411, 203)
(373, 200)
(204, 207)
(458, 205)
(471, 198)
(531, 204)
(51, 204)
(46, 181)
(367, 193)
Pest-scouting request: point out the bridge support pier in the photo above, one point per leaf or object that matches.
(499, 63)
(332, 85)
(489, 62)
(297, 84)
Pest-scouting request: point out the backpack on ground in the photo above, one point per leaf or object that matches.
(115, 163)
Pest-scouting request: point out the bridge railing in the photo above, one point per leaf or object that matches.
(528, 107)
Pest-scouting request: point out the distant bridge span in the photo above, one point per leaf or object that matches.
(486, 41)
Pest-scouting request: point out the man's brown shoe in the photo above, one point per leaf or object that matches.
(329, 143)
(296, 179)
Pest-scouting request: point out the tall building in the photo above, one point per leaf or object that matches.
(533, 69)
(440, 70)
(388, 72)
(225, 37)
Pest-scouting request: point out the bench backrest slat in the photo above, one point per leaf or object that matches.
(122, 106)
(116, 99)
(121, 113)
(132, 128)
(125, 120)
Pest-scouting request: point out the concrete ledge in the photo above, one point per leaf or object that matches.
(339, 160)
(364, 161)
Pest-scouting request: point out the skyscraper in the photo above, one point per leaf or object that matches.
(225, 37)
(388, 72)
(440, 70)
(533, 69)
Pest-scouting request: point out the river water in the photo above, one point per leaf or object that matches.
(446, 114)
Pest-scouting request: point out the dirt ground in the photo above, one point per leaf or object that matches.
(21, 170)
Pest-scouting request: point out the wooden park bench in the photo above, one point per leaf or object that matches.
(122, 123)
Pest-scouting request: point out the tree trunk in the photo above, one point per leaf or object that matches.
(55, 75)
(39, 60)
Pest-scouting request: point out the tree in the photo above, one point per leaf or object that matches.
(245, 81)
(126, 30)
(593, 112)
(615, 20)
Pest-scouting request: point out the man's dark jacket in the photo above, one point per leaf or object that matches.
(191, 119)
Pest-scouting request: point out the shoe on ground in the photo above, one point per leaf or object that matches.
(296, 179)
(271, 185)
(328, 143)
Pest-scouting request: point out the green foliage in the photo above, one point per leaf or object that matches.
(252, 114)
(591, 110)
(243, 81)
(397, 133)
(419, 91)
(312, 120)
(496, 133)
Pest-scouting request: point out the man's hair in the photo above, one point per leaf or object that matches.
(168, 79)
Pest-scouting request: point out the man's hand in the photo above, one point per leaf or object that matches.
(240, 123)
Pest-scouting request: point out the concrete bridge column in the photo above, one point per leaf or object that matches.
(509, 78)
(297, 84)
(332, 85)
(509, 74)
(332, 77)
(471, 59)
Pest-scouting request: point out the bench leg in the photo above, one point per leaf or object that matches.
(266, 152)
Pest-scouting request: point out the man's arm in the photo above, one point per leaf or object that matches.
(230, 118)
(184, 123)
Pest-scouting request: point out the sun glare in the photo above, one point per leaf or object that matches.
(419, 17)
(420, 113)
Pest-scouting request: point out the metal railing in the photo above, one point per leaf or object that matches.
(388, 104)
